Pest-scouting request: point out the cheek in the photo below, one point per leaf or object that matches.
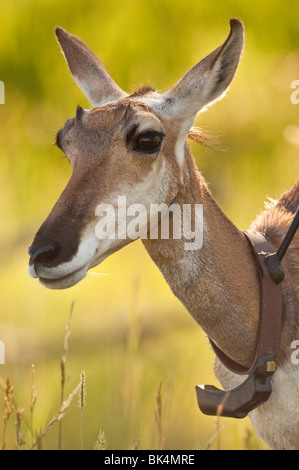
(150, 187)
(135, 180)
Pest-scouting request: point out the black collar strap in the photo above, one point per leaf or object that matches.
(269, 332)
(256, 389)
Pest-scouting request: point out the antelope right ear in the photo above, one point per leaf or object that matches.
(88, 72)
(206, 81)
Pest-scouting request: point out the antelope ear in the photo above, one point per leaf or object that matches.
(208, 80)
(88, 72)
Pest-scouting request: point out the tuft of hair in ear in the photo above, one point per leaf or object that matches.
(197, 135)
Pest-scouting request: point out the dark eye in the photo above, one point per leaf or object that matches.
(149, 142)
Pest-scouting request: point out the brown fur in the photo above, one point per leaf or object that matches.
(274, 223)
(144, 90)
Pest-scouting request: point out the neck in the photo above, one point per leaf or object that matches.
(218, 283)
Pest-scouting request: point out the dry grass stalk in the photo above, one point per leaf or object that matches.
(82, 393)
(58, 416)
(101, 442)
(159, 417)
(8, 400)
(82, 403)
(8, 407)
(33, 401)
(33, 390)
(66, 349)
(20, 441)
(137, 444)
(216, 434)
(63, 359)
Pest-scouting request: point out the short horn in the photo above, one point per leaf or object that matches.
(80, 113)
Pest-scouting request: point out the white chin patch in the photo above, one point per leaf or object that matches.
(64, 282)
(31, 271)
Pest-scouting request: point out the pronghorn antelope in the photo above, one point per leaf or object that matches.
(136, 146)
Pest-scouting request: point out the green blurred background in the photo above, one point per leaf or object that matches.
(128, 331)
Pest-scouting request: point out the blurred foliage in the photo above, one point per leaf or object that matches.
(128, 330)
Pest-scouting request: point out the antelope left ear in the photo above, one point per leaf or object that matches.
(208, 80)
(87, 70)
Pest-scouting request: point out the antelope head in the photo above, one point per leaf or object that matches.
(126, 145)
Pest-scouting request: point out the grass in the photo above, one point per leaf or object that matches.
(20, 431)
(37, 435)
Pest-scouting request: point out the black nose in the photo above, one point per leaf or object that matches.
(43, 254)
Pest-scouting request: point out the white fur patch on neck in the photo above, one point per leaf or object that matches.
(180, 150)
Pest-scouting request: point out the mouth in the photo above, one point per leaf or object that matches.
(64, 282)
(52, 281)
(69, 273)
